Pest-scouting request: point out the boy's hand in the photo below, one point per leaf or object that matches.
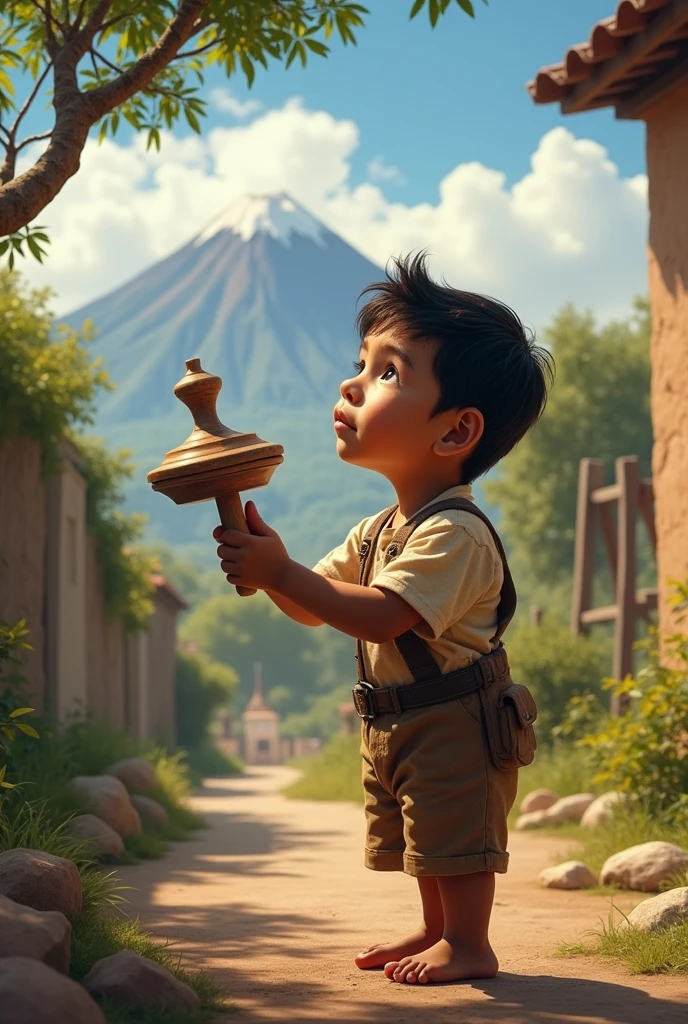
(256, 559)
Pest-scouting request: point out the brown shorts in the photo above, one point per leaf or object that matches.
(435, 804)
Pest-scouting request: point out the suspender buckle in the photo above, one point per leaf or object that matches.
(363, 694)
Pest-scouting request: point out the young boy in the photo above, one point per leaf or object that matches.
(446, 385)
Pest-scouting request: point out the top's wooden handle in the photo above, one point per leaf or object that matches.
(232, 518)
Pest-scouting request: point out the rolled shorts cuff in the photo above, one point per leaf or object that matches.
(384, 860)
(469, 864)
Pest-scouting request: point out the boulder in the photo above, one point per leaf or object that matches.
(602, 808)
(530, 820)
(129, 979)
(644, 867)
(136, 774)
(537, 800)
(572, 874)
(41, 880)
(668, 908)
(32, 993)
(110, 801)
(102, 840)
(150, 811)
(569, 808)
(44, 935)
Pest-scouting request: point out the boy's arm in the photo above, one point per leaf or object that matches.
(294, 611)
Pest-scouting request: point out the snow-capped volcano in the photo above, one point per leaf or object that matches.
(278, 216)
(265, 295)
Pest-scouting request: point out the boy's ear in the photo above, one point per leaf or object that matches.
(463, 434)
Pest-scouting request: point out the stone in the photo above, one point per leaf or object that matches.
(32, 993)
(601, 810)
(136, 774)
(661, 911)
(41, 880)
(569, 808)
(572, 874)
(129, 979)
(150, 811)
(537, 800)
(110, 801)
(44, 935)
(644, 867)
(530, 820)
(102, 840)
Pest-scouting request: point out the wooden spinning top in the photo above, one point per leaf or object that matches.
(214, 461)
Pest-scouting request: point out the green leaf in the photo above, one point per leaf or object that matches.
(417, 8)
(248, 69)
(2, 772)
(192, 120)
(7, 785)
(9, 732)
(21, 711)
(35, 248)
(29, 730)
(466, 6)
(4, 246)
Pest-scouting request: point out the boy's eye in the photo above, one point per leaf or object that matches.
(394, 371)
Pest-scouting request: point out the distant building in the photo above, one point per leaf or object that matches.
(261, 726)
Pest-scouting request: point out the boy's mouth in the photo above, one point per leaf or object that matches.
(341, 422)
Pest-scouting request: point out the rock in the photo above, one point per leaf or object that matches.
(110, 802)
(32, 993)
(129, 979)
(41, 880)
(538, 800)
(661, 911)
(44, 935)
(103, 841)
(569, 808)
(601, 810)
(150, 811)
(530, 820)
(136, 774)
(644, 867)
(572, 874)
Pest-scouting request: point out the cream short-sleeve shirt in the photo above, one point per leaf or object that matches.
(449, 571)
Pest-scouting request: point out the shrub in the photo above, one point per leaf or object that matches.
(645, 751)
(201, 686)
(555, 665)
(333, 774)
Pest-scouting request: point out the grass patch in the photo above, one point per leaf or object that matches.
(664, 951)
(563, 768)
(206, 761)
(333, 774)
(629, 826)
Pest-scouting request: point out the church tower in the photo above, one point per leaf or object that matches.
(261, 725)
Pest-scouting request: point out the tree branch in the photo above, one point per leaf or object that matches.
(140, 74)
(33, 138)
(34, 92)
(195, 53)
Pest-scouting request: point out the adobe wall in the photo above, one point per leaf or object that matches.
(667, 161)
(105, 657)
(22, 551)
(162, 657)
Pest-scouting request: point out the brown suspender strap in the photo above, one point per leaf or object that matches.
(368, 544)
(413, 648)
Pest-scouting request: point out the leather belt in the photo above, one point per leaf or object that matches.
(371, 701)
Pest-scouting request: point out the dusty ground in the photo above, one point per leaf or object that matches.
(274, 901)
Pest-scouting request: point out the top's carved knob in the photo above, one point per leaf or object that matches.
(198, 391)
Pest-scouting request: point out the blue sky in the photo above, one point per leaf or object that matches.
(427, 100)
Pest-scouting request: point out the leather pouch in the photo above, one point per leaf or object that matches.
(508, 715)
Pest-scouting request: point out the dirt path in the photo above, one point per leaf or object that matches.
(274, 901)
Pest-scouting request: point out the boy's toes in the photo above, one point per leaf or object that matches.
(413, 972)
(390, 968)
(403, 968)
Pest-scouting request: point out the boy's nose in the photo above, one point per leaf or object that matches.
(350, 391)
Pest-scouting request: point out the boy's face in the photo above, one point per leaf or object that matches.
(383, 419)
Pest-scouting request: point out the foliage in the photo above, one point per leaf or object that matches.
(11, 643)
(298, 663)
(555, 665)
(206, 761)
(332, 774)
(201, 686)
(321, 718)
(436, 8)
(599, 408)
(645, 751)
(143, 64)
(664, 951)
(47, 384)
(563, 767)
(192, 580)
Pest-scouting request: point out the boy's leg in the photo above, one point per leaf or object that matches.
(430, 931)
(464, 949)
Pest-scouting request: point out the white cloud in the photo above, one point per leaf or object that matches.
(224, 100)
(570, 229)
(378, 170)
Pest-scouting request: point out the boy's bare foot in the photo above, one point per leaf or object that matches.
(443, 961)
(383, 952)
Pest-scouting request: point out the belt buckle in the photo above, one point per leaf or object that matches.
(361, 694)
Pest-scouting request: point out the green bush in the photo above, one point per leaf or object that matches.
(333, 774)
(555, 665)
(201, 686)
(645, 751)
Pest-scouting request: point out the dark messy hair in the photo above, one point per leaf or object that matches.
(484, 358)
